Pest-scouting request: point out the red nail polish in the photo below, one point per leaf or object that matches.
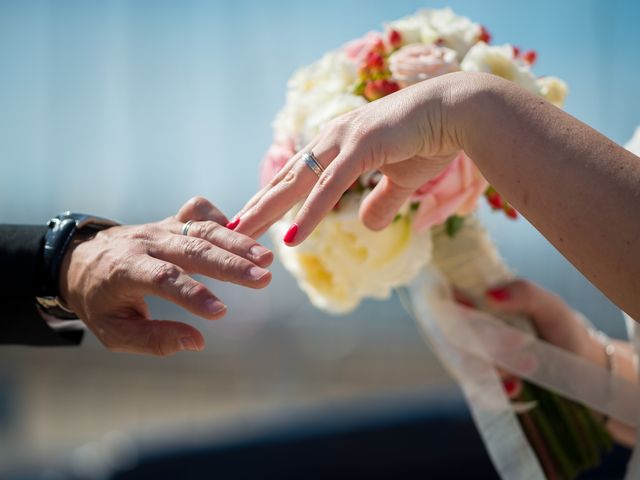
(512, 386)
(499, 294)
(290, 236)
(233, 224)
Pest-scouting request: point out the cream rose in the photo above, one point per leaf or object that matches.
(317, 94)
(343, 262)
(417, 62)
(501, 61)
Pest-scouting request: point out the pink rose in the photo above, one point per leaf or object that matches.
(417, 62)
(277, 156)
(358, 49)
(454, 191)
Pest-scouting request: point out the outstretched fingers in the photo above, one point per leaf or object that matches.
(157, 277)
(285, 191)
(325, 194)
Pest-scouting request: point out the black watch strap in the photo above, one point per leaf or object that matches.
(61, 231)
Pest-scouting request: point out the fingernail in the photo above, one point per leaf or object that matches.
(256, 273)
(214, 306)
(499, 294)
(258, 251)
(188, 343)
(233, 224)
(512, 386)
(290, 236)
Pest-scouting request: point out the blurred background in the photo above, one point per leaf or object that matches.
(128, 108)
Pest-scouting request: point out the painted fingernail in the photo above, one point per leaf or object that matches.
(188, 343)
(256, 273)
(499, 294)
(233, 224)
(512, 386)
(258, 251)
(290, 236)
(214, 306)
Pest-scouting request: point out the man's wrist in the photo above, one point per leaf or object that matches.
(65, 232)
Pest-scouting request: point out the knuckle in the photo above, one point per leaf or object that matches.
(325, 180)
(194, 291)
(199, 203)
(195, 248)
(291, 176)
(206, 229)
(230, 264)
(156, 345)
(165, 274)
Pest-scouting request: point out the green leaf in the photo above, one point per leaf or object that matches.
(359, 88)
(453, 224)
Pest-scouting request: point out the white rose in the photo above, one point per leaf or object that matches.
(501, 61)
(304, 116)
(633, 145)
(317, 94)
(343, 262)
(428, 26)
(553, 89)
(334, 72)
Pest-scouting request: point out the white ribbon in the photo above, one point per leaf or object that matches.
(471, 343)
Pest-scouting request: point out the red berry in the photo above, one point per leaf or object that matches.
(510, 211)
(376, 89)
(485, 36)
(374, 61)
(516, 51)
(495, 200)
(395, 38)
(379, 47)
(530, 57)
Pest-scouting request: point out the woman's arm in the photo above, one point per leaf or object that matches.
(580, 189)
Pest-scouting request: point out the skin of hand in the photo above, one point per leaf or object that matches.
(560, 325)
(104, 279)
(578, 188)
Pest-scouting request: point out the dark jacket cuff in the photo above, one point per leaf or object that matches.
(20, 320)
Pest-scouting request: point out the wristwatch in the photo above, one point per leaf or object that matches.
(62, 229)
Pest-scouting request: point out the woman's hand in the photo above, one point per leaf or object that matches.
(409, 136)
(104, 279)
(555, 321)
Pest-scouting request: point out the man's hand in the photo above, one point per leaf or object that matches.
(104, 280)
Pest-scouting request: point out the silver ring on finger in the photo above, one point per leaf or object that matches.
(312, 162)
(185, 228)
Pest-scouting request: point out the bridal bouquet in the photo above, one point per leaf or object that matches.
(343, 262)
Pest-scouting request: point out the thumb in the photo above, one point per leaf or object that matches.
(380, 207)
(150, 337)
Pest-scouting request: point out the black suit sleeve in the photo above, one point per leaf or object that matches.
(20, 320)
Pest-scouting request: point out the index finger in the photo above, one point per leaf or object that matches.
(287, 189)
